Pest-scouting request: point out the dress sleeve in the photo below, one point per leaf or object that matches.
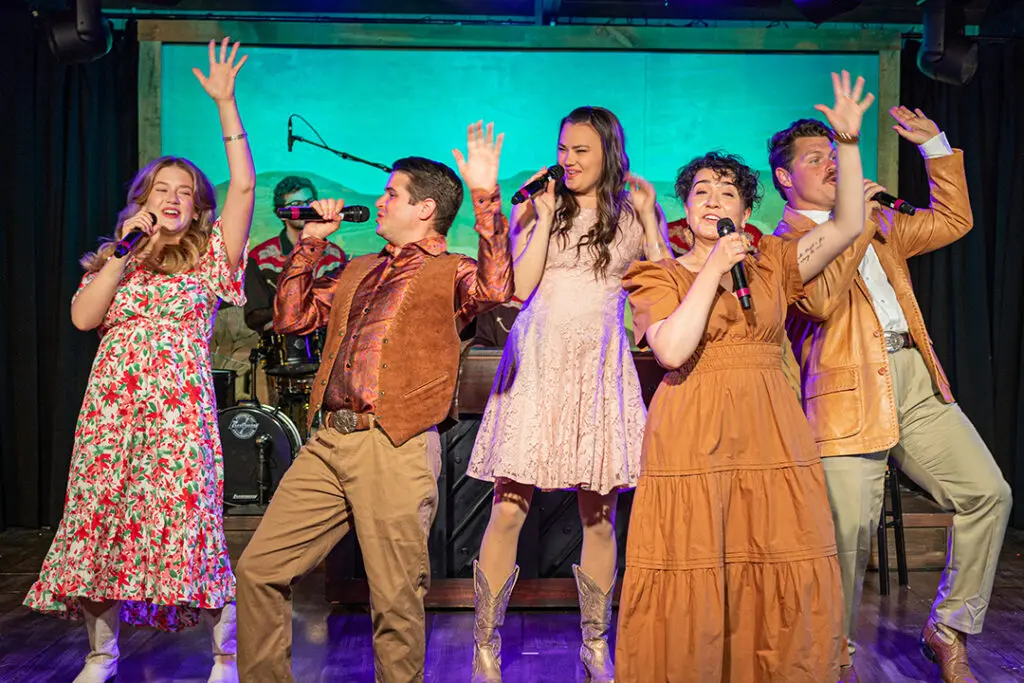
(224, 281)
(86, 279)
(653, 294)
(779, 256)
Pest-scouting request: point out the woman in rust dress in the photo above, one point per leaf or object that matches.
(731, 570)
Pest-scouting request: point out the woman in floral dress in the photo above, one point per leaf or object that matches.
(142, 537)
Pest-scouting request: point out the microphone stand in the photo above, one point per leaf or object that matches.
(344, 155)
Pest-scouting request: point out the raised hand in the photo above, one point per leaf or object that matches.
(480, 166)
(330, 212)
(220, 84)
(846, 114)
(642, 192)
(913, 125)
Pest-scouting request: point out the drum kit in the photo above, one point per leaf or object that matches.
(260, 441)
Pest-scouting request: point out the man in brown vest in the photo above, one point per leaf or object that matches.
(387, 377)
(872, 384)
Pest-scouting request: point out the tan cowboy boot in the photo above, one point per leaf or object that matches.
(595, 622)
(947, 647)
(101, 662)
(490, 615)
(222, 634)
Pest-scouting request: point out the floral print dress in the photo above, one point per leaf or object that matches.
(143, 516)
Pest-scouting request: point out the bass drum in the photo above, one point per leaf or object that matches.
(244, 430)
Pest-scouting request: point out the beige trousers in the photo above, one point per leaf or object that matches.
(337, 482)
(941, 451)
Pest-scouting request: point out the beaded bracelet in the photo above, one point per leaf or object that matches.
(232, 138)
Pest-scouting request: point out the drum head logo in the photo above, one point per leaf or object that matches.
(243, 426)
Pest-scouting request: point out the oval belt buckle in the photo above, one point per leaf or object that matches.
(345, 421)
(893, 342)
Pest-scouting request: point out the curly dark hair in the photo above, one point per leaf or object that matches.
(781, 148)
(290, 184)
(612, 197)
(725, 165)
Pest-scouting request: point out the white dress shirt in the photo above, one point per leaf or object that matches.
(883, 296)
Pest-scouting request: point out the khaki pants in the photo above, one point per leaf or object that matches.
(337, 482)
(940, 450)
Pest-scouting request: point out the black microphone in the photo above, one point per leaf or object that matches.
(554, 173)
(739, 277)
(895, 203)
(352, 214)
(129, 241)
(291, 138)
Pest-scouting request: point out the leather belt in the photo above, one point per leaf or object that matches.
(348, 421)
(894, 341)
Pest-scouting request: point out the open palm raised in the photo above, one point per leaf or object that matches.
(479, 168)
(846, 114)
(220, 84)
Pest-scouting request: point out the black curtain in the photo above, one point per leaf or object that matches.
(68, 134)
(972, 293)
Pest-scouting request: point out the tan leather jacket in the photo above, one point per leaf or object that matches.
(847, 391)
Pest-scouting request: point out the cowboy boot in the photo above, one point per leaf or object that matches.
(947, 648)
(222, 635)
(490, 615)
(101, 662)
(595, 622)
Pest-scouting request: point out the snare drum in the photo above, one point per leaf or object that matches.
(292, 354)
(241, 429)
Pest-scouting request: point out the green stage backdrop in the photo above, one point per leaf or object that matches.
(384, 104)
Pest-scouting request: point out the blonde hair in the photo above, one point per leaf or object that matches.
(174, 258)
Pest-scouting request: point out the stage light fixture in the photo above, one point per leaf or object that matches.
(820, 11)
(81, 34)
(946, 54)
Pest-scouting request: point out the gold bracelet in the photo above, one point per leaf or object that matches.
(231, 138)
(846, 138)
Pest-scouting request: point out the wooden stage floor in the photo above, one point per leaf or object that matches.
(539, 646)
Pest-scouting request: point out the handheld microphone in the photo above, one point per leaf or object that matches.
(129, 241)
(352, 214)
(291, 138)
(554, 173)
(739, 277)
(894, 203)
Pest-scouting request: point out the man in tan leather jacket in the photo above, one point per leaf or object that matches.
(873, 387)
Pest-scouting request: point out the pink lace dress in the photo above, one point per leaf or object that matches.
(565, 409)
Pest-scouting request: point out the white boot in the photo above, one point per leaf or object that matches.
(222, 633)
(101, 662)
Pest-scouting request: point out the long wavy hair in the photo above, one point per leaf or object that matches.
(612, 197)
(173, 258)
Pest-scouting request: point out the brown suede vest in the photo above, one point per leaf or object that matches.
(420, 355)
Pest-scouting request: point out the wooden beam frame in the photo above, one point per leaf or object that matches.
(153, 33)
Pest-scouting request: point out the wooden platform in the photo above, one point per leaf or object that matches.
(332, 643)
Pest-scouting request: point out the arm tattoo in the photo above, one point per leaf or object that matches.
(809, 249)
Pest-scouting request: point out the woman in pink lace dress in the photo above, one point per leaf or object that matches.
(566, 411)
(142, 537)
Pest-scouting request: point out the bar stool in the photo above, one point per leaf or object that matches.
(892, 482)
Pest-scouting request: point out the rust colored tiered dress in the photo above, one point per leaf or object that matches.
(731, 570)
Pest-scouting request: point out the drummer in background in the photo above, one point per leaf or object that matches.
(267, 259)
